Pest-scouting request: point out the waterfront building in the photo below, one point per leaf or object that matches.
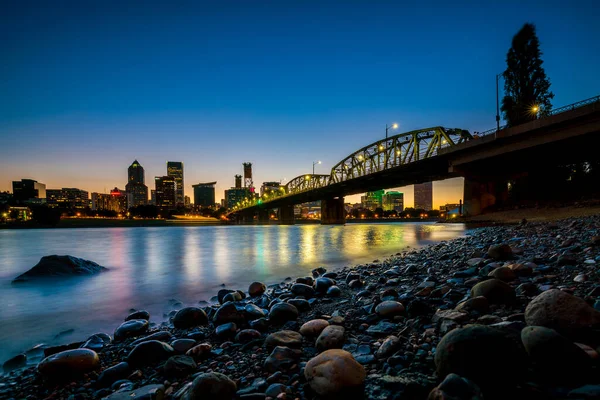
(115, 201)
(166, 192)
(372, 200)
(136, 189)
(5, 197)
(187, 201)
(26, 190)
(393, 201)
(153, 197)
(269, 187)
(175, 170)
(424, 196)
(204, 194)
(449, 206)
(119, 200)
(68, 198)
(235, 195)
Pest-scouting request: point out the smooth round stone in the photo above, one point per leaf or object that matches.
(190, 317)
(183, 345)
(388, 347)
(233, 296)
(221, 294)
(389, 309)
(334, 291)
(226, 331)
(283, 312)
(275, 390)
(314, 327)
(149, 352)
(334, 371)
(282, 359)
(69, 363)
(179, 366)
(132, 328)
(161, 336)
(97, 342)
(142, 314)
(228, 312)
(581, 278)
(247, 335)
(500, 252)
(495, 291)
(199, 352)
(323, 284)
(257, 289)
(284, 338)
(253, 312)
(300, 304)
(211, 385)
(479, 304)
(110, 375)
(16, 362)
(456, 387)
(261, 324)
(521, 269)
(352, 276)
(567, 314)
(301, 289)
(481, 354)
(332, 337)
(504, 274)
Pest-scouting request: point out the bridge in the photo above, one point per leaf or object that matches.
(486, 161)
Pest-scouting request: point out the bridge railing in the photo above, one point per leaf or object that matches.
(560, 110)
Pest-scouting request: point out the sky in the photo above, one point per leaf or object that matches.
(87, 87)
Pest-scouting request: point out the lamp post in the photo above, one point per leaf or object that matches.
(315, 163)
(498, 102)
(387, 128)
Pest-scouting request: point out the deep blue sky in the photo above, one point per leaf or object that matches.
(85, 90)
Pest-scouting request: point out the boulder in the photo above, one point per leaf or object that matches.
(97, 342)
(283, 312)
(504, 274)
(182, 345)
(228, 312)
(110, 375)
(332, 337)
(301, 289)
(282, 359)
(478, 304)
(500, 252)
(149, 352)
(226, 331)
(323, 284)
(284, 338)
(252, 312)
(247, 335)
(60, 266)
(200, 352)
(334, 371)
(179, 366)
(389, 309)
(257, 289)
(141, 314)
(567, 314)
(68, 364)
(16, 362)
(314, 327)
(481, 354)
(222, 293)
(495, 291)
(190, 317)
(132, 328)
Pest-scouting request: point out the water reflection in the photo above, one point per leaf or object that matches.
(149, 266)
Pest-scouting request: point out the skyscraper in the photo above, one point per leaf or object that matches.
(204, 194)
(372, 200)
(166, 190)
(175, 170)
(393, 201)
(136, 190)
(424, 196)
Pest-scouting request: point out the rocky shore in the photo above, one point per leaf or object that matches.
(510, 312)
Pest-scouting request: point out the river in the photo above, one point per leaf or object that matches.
(151, 266)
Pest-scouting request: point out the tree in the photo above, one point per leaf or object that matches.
(526, 86)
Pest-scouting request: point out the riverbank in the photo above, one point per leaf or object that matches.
(403, 324)
(67, 223)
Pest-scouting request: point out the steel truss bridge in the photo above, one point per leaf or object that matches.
(409, 157)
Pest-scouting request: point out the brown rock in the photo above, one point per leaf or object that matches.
(389, 346)
(334, 371)
(479, 304)
(500, 252)
(314, 327)
(66, 364)
(521, 269)
(257, 289)
(284, 338)
(495, 291)
(199, 352)
(504, 274)
(332, 337)
(389, 309)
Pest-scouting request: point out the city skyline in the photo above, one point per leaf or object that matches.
(272, 89)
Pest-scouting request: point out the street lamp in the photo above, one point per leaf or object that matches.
(387, 128)
(315, 163)
(498, 102)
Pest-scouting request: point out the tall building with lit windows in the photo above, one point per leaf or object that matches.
(175, 170)
(165, 192)
(204, 194)
(136, 191)
(424, 196)
(393, 201)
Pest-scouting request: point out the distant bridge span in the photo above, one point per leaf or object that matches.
(438, 153)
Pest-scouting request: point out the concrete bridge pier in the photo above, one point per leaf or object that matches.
(286, 215)
(263, 216)
(247, 217)
(332, 211)
(481, 193)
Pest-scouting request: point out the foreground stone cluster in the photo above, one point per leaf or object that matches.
(506, 313)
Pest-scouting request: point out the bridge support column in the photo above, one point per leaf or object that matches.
(482, 193)
(247, 217)
(286, 215)
(332, 211)
(263, 216)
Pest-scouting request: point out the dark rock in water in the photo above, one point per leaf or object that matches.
(148, 392)
(60, 266)
(222, 293)
(228, 312)
(110, 375)
(322, 284)
(142, 314)
(97, 342)
(179, 366)
(253, 312)
(257, 289)
(15, 363)
(183, 345)
(149, 352)
(334, 291)
(48, 351)
(190, 317)
(282, 359)
(161, 336)
(68, 364)
(226, 331)
(456, 387)
(233, 296)
(481, 354)
(212, 385)
(132, 328)
(300, 289)
(282, 312)
(586, 392)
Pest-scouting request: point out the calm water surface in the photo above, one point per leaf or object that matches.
(150, 266)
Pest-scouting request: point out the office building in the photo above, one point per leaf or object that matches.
(204, 194)
(393, 201)
(175, 170)
(115, 201)
(424, 196)
(153, 197)
(372, 200)
(136, 191)
(235, 195)
(166, 192)
(119, 200)
(269, 187)
(68, 198)
(450, 206)
(26, 190)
